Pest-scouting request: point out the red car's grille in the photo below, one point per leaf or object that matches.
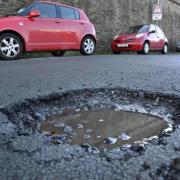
(129, 40)
(121, 41)
(118, 41)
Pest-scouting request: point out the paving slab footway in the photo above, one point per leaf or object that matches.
(31, 91)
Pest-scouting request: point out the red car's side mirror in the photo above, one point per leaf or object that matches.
(34, 13)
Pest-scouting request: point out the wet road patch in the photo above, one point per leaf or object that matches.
(152, 154)
(27, 150)
(91, 116)
(103, 128)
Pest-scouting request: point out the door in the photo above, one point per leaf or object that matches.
(153, 37)
(44, 32)
(161, 38)
(72, 27)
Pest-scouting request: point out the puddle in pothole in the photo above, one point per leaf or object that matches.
(103, 129)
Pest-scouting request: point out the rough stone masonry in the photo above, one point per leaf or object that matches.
(111, 17)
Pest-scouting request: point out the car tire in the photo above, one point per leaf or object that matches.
(11, 46)
(88, 46)
(146, 48)
(58, 53)
(165, 49)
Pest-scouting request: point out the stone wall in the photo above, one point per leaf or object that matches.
(8, 6)
(113, 16)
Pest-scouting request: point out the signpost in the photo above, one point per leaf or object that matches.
(157, 12)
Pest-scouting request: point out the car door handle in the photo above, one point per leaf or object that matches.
(81, 23)
(57, 22)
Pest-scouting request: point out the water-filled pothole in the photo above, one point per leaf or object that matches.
(103, 128)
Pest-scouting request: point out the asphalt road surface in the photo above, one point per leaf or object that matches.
(30, 157)
(32, 77)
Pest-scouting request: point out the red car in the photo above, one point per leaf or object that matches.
(142, 39)
(46, 26)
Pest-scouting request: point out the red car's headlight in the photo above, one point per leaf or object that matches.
(115, 37)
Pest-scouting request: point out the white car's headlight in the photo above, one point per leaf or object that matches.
(139, 35)
(115, 37)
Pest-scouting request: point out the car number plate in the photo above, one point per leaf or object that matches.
(122, 45)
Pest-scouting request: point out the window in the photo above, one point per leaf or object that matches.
(23, 9)
(138, 29)
(144, 29)
(152, 28)
(160, 32)
(67, 13)
(46, 10)
(77, 14)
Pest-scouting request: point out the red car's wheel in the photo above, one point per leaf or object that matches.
(165, 49)
(11, 46)
(146, 48)
(88, 46)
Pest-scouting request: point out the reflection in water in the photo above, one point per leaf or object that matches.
(94, 127)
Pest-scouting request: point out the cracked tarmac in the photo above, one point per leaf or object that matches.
(29, 155)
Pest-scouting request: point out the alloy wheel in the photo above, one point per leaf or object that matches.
(165, 49)
(88, 46)
(10, 47)
(146, 48)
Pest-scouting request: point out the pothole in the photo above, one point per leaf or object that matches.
(47, 128)
(105, 118)
(103, 128)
